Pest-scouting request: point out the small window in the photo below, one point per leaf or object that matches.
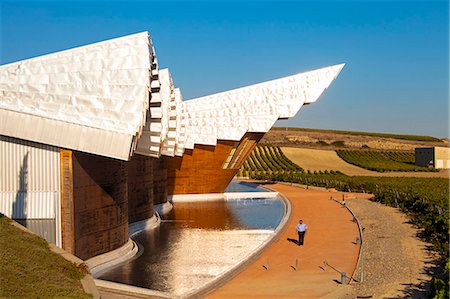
(230, 156)
(240, 153)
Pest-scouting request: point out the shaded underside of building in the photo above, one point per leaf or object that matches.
(92, 199)
(207, 168)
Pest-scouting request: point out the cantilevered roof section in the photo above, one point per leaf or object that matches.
(160, 131)
(93, 98)
(111, 99)
(229, 115)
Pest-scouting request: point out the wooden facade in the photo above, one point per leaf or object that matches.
(100, 204)
(67, 204)
(140, 188)
(159, 180)
(101, 196)
(207, 168)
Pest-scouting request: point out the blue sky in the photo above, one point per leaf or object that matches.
(396, 52)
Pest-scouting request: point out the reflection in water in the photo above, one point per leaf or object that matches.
(239, 186)
(205, 215)
(197, 242)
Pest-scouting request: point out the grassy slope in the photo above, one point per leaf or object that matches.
(28, 269)
(383, 135)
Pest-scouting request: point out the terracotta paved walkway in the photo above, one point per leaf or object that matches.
(331, 236)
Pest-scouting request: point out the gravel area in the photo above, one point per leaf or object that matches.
(396, 263)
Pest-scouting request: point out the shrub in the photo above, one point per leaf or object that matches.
(322, 143)
(338, 143)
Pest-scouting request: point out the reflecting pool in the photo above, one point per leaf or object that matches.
(239, 186)
(197, 242)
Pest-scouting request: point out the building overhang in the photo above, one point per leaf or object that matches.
(111, 99)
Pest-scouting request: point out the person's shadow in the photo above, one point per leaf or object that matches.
(293, 241)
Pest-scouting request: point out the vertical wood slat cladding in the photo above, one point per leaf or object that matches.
(140, 188)
(67, 204)
(159, 180)
(100, 204)
(253, 139)
(201, 170)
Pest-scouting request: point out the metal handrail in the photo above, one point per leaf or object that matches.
(360, 261)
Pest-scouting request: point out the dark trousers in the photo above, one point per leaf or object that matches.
(301, 238)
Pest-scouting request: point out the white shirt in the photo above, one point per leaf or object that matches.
(302, 227)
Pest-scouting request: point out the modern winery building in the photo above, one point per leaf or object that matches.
(93, 138)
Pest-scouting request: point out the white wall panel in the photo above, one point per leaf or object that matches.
(29, 205)
(46, 228)
(28, 166)
(29, 179)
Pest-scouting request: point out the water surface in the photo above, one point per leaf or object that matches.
(197, 242)
(239, 186)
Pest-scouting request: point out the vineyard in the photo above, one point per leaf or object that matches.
(266, 158)
(425, 200)
(381, 161)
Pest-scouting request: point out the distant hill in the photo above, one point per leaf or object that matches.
(336, 139)
(372, 134)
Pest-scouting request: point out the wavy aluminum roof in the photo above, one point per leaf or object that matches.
(229, 115)
(110, 99)
(92, 98)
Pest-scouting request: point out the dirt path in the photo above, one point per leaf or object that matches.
(315, 160)
(330, 237)
(396, 263)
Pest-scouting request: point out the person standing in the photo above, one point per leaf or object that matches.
(301, 230)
